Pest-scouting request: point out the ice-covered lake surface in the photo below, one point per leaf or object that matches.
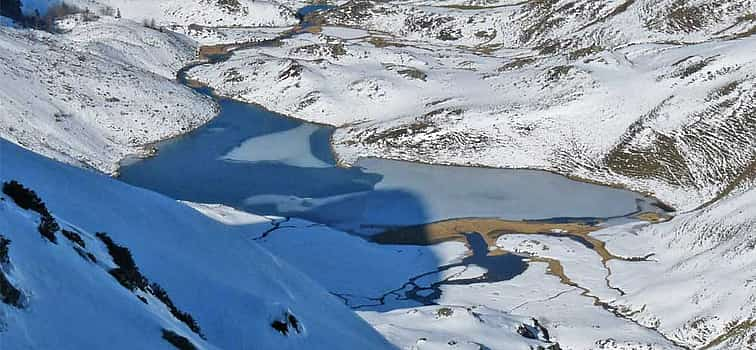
(263, 162)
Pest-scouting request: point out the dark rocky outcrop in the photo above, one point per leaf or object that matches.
(29, 200)
(128, 275)
(177, 340)
(287, 324)
(9, 294)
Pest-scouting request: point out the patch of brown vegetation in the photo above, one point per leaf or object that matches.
(652, 217)
(207, 51)
(380, 42)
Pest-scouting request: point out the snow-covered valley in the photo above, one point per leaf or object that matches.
(584, 97)
(655, 96)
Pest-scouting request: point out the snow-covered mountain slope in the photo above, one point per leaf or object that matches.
(700, 287)
(666, 86)
(97, 92)
(656, 95)
(104, 88)
(211, 13)
(548, 24)
(234, 290)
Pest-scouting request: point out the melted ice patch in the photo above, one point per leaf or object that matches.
(345, 33)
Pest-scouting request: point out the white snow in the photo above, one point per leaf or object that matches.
(622, 83)
(444, 327)
(228, 215)
(360, 273)
(211, 13)
(362, 266)
(699, 283)
(96, 94)
(583, 88)
(232, 287)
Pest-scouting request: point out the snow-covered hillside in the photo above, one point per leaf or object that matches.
(547, 24)
(97, 92)
(103, 88)
(706, 261)
(233, 289)
(666, 86)
(697, 286)
(211, 13)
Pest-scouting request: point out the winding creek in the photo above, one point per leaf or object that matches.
(263, 162)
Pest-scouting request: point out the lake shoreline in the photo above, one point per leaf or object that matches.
(217, 53)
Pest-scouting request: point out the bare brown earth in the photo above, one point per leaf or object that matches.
(211, 50)
(492, 229)
(452, 230)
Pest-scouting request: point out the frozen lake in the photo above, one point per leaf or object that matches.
(260, 161)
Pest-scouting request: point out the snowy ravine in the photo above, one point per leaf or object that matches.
(697, 287)
(700, 287)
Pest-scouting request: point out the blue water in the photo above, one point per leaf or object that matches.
(188, 167)
(498, 268)
(420, 290)
(375, 195)
(304, 11)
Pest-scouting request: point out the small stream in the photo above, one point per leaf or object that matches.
(425, 288)
(499, 267)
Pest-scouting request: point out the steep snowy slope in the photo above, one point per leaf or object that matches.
(666, 85)
(563, 25)
(234, 290)
(705, 262)
(97, 92)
